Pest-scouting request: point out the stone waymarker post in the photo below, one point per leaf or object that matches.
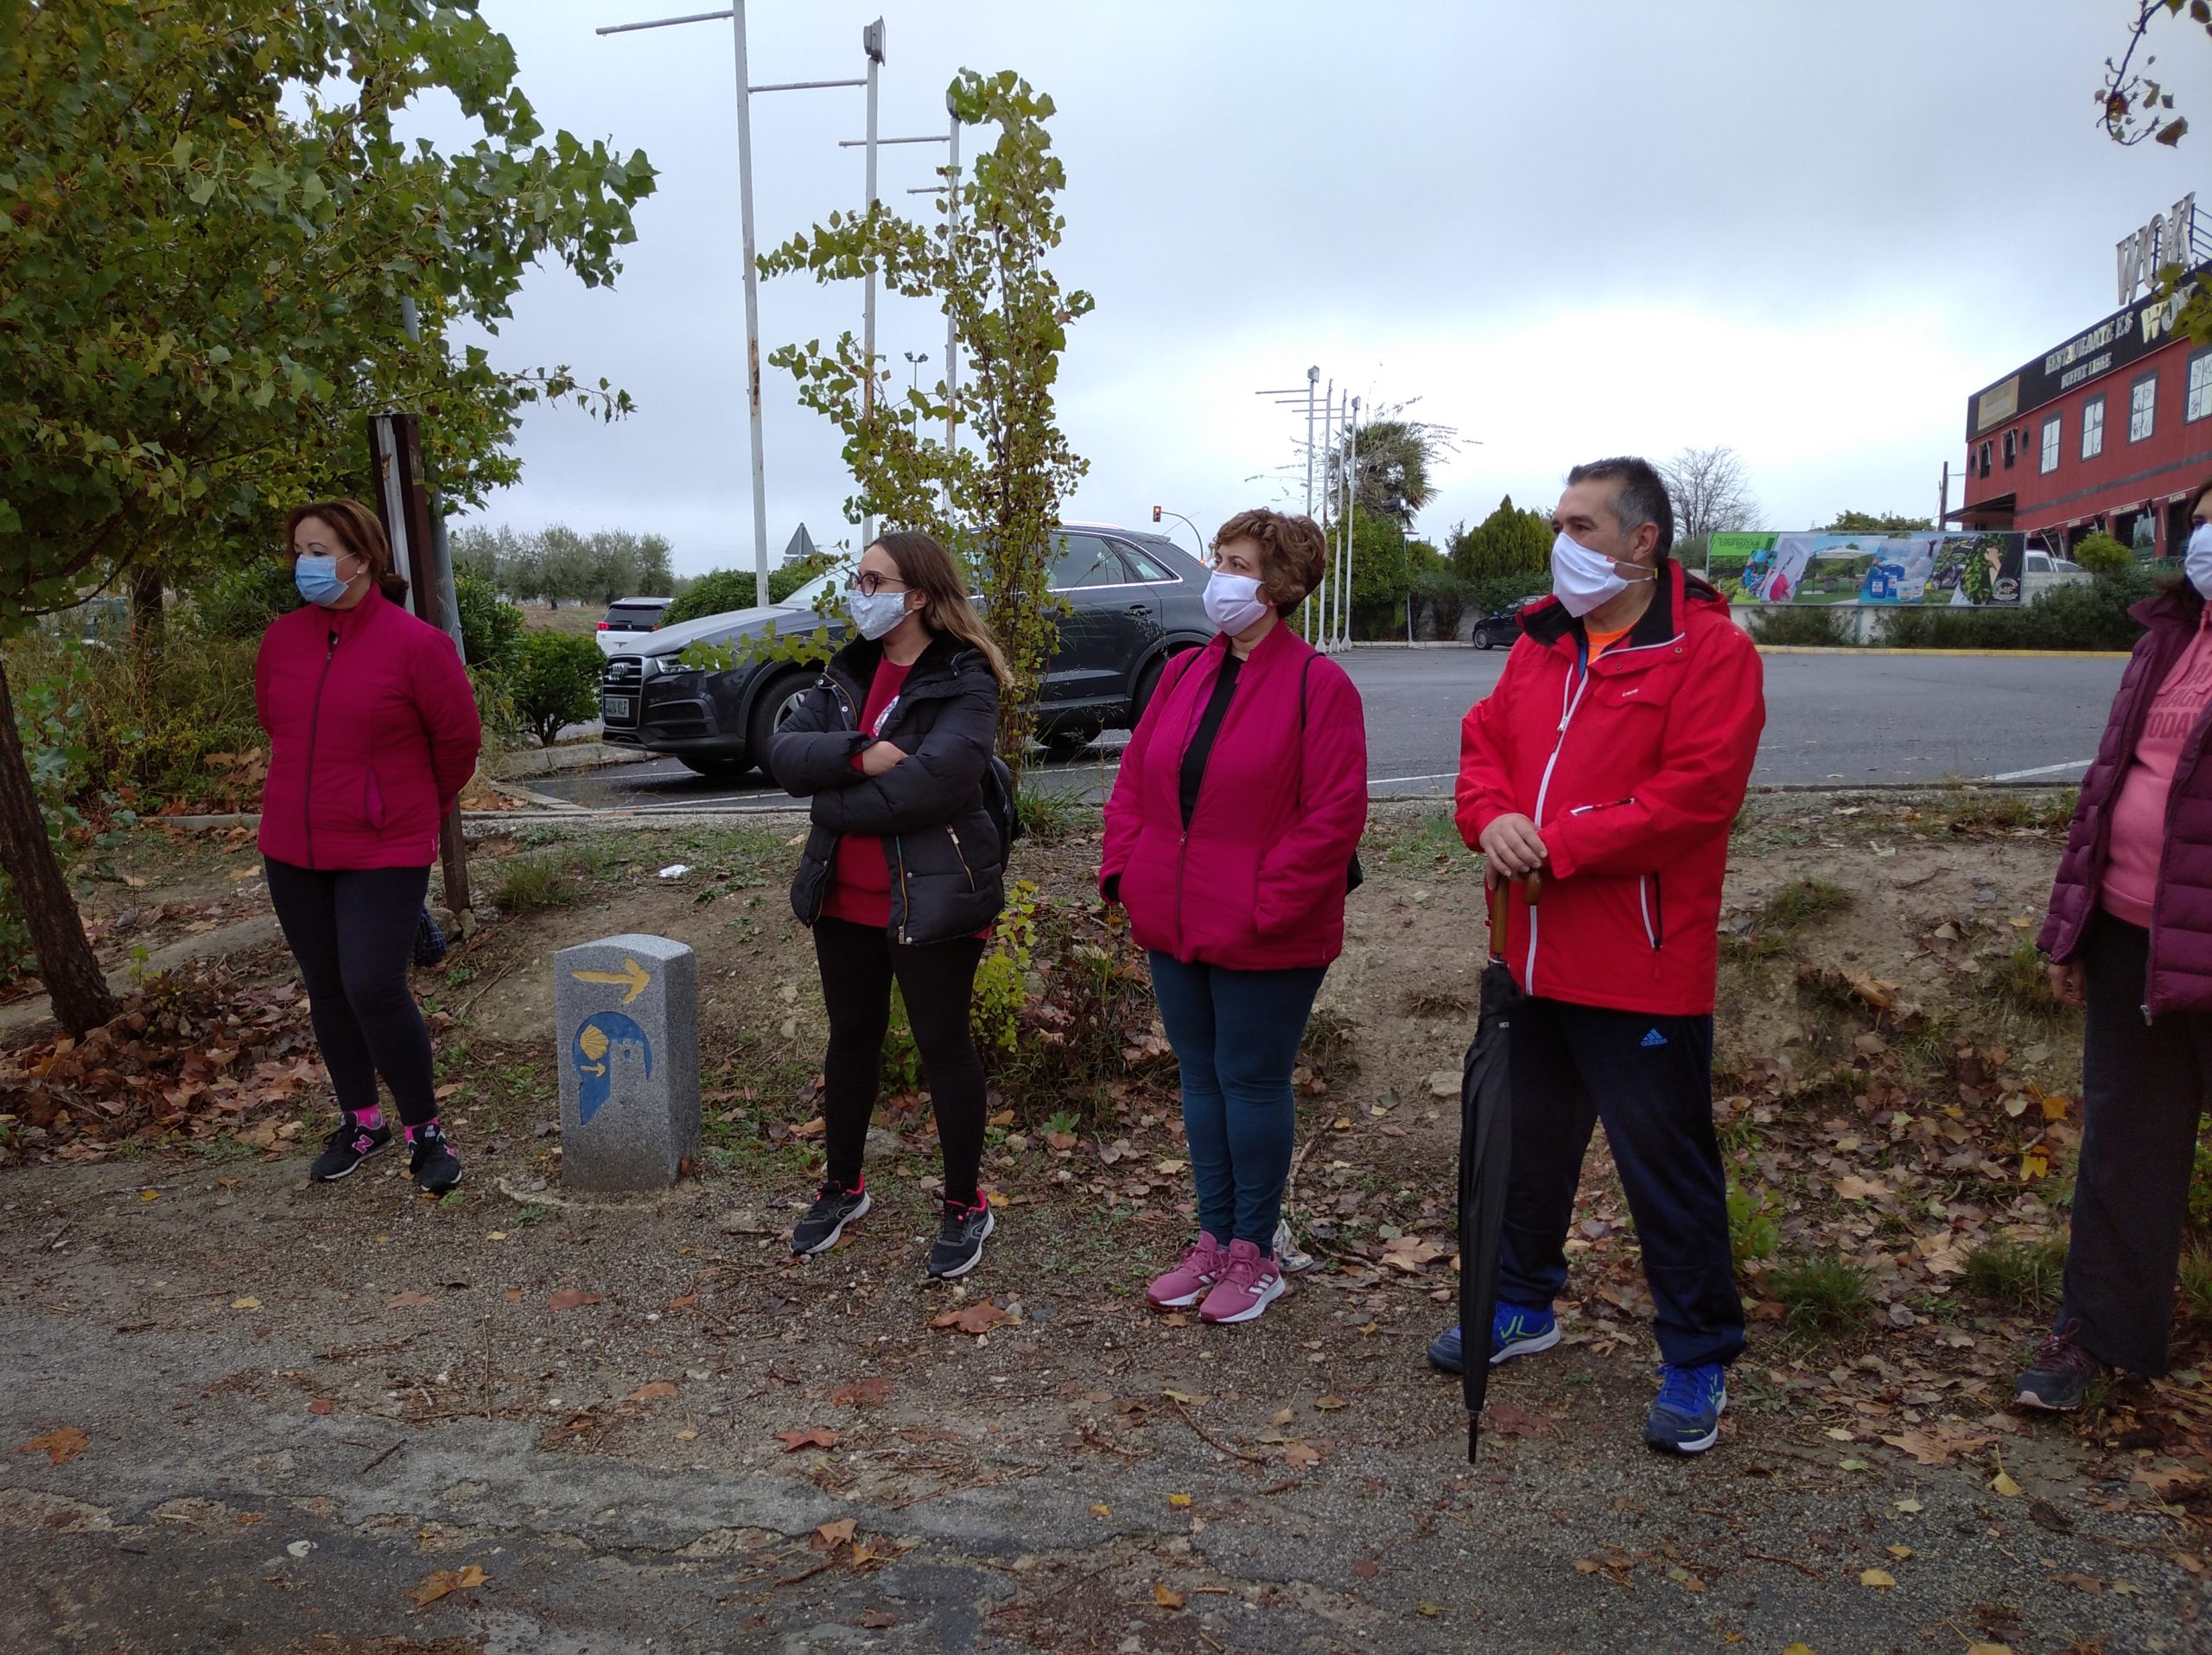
(626, 1011)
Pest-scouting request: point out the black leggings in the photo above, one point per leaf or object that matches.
(937, 980)
(352, 931)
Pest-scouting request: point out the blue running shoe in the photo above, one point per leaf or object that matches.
(1685, 1416)
(1515, 1330)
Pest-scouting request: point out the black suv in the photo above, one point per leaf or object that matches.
(1135, 599)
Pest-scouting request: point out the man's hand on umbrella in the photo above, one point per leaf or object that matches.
(1513, 847)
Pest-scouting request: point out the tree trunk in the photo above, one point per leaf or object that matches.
(146, 609)
(73, 976)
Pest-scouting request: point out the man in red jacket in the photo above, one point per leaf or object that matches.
(1610, 761)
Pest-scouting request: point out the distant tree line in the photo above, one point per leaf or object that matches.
(559, 565)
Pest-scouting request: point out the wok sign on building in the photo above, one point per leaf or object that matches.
(1969, 570)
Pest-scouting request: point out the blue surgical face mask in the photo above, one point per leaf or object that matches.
(316, 576)
(875, 613)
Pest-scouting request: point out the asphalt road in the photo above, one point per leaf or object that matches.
(1830, 718)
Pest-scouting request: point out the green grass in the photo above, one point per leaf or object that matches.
(2019, 1276)
(1430, 839)
(1823, 1292)
(2019, 981)
(2044, 810)
(1805, 902)
(1051, 817)
(1752, 1232)
(2197, 1284)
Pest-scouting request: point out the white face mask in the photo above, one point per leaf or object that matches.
(1583, 580)
(875, 613)
(2197, 563)
(1234, 602)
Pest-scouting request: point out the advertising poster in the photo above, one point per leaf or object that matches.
(1959, 571)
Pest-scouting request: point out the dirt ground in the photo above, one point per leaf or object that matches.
(257, 1414)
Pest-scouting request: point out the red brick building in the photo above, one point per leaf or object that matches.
(2111, 429)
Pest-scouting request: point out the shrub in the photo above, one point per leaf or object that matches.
(1492, 592)
(1804, 625)
(1445, 597)
(2091, 615)
(558, 681)
(490, 627)
(240, 603)
(2100, 554)
(1753, 1231)
(725, 590)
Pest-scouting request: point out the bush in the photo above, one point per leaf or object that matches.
(1809, 626)
(241, 602)
(2084, 616)
(556, 682)
(2100, 554)
(1445, 596)
(783, 582)
(490, 627)
(1491, 593)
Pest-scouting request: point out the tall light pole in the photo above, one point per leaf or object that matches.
(913, 384)
(745, 91)
(872, 43)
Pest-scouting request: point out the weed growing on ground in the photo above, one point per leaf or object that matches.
(2197, 1284)
(1965, 809)
(2020, 982)
(1782, 917)
(552, 879)
(1824, 1292)
(2021, 1275)
(1051, 817)
(1752, 1232)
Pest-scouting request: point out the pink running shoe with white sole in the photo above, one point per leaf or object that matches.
(1188, 1282)
(1252, 1281)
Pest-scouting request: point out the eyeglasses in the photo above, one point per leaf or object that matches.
(867, 583)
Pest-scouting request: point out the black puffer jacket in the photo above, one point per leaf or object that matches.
(947, 865)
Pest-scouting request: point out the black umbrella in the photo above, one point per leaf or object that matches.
(1485, 1153)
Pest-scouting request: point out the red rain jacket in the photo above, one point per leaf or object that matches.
(1257, 884)
(1632, 773)
(372, 732)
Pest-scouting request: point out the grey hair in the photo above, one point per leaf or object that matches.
(1641, 497)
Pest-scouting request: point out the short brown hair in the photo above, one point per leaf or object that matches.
(360, 531)
(1294, 552)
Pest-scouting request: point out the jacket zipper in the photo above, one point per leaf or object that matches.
(905, 914)
(1570, 699)
(314, 728)
(1183, 846)
(963, 855)
(2182, 772)
(1650, 905)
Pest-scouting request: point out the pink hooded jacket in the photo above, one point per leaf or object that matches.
(1257, 884)
(372, 732)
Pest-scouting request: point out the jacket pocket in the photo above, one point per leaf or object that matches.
(1651, 906)
(372, 800)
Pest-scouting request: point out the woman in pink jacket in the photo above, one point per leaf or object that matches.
(1229, 839)
(372, 731)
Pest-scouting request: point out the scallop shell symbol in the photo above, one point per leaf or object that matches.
(594, 1040)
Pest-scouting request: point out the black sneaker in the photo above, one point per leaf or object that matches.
(433, 1164)
(346, 1149)
(959, 1246)
(826, 1219)
(2059, 1376)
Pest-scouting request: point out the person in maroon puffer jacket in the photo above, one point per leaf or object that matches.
(2129, 936)
(372, 731)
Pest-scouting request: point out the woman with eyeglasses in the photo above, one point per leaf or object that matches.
(903, 870)
(372, 732)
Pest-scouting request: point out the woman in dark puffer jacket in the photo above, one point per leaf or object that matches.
(903, 870)
(2130, 935)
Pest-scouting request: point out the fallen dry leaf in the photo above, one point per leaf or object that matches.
(63, 1442)
(875, 1619)
(1851, 1187)
(1180, 1502)
(1881, 1579)
(440, 1582)
(1367, 1569)
(860, 1393)
(1167, 1596)
(323, 1405)
(570, 1298)
(246, 1304)
(1940, 1448)
(1298, 1455)
(2088, 1583)
(2003, 1484)
(830, 1536)
(1102, 1511)
(1508, 1420)
(978, 1318)
(683, 1302)
(1329, 1404)
(815, 1438)
(408, 1301)
(653, 1391)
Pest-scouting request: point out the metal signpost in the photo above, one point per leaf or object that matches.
(872, 40)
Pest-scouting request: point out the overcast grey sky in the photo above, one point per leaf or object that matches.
(1567, 230)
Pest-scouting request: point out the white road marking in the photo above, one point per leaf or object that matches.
(1392, 781)
(2042, 770)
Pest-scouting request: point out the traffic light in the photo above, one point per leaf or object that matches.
(1155, 514)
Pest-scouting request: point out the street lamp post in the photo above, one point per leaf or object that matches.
(736, 14)
(872, 43)
(914, 383)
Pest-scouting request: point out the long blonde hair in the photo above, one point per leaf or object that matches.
(927, 568)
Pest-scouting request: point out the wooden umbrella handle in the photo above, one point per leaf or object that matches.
(1532, 888)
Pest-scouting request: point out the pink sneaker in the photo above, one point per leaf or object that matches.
(1185, 1285)
(1252, 1281)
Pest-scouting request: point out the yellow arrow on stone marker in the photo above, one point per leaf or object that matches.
(632, 975)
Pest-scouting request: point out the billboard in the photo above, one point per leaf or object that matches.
(1959, 571)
